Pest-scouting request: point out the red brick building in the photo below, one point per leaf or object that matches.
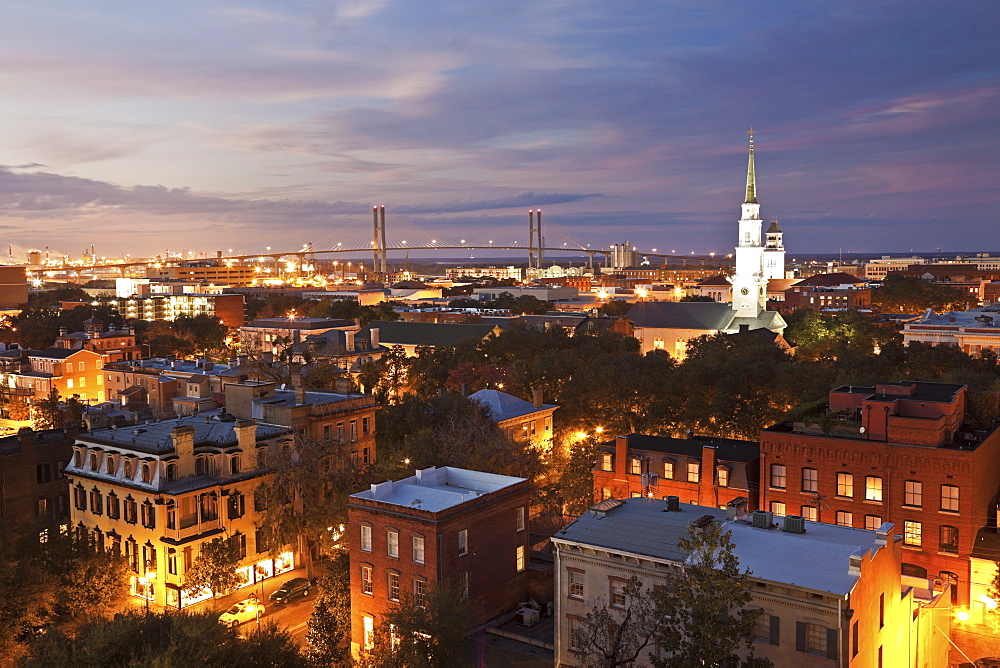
(441, 525)
(700, 470)
(896, 452)
(33, 489)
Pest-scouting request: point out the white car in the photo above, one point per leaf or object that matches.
(244, 611)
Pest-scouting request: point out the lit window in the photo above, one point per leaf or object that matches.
(392, 543)
(778, 477)
(845, 519)
(607, 461)
(576, 584)
(418, 549)
(694, 471)
(913, 493)
(810, 480)
(722, 477)
(809, 513)
(949, 498)
(873, 488)
(872, 522)
(366, 538)
(463, 542)
(911, 533)
(845, 484)
(778, 507)
(393, 586)
(519, 558)
(668, 470)
(635, 466)
(366, 579)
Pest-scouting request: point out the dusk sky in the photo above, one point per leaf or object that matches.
(139, 126)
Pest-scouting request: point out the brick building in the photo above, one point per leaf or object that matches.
(897, 452)
(701, 470)
(441, 525)
(13, 287)
(113, 345)
(522, 420)
(70, 372)
(33, 489)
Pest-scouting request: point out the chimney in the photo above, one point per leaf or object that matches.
(537, 398)
(208, 366)
(349, 340)
(241, 359)
(464, 389)
(744, 328)
(26, 437)
(233, 364)
(374, 337)
(296, 374)
(343, 384)
(246, 437)
(855, 560)
(63, 331)
(300, 395)
(183, 438)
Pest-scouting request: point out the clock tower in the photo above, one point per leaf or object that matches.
(750, 281)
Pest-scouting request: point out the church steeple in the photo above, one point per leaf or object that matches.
(751, 179)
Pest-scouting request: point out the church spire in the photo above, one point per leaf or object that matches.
(751, 179)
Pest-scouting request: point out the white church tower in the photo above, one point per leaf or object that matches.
(774, 252)
(750, 281)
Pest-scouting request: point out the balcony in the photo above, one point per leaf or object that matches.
(192, 530)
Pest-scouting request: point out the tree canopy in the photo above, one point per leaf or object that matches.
(910, 294)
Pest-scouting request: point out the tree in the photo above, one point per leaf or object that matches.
(306, 496)
(704, 605)
(330, 623)
(419, 634)
(46, 413)
(385, 377)
(215, 568)
(29, 595)
(166, 639)
(696, 298)
(993, 591)
(18, 409)
(911, 294)
(615, 308)
(609, 637)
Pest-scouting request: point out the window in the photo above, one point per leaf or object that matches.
(418, 549)
(463, 583)
(950, 579)
(393, 586)
(873, 488)
(519, 558)
(881, 610)
(365, 426)
(912, 571)
(605, 493)
(234, 465)
(42, 508)
(949, 498)
(236, 505)
(778, 477)
(694, 471)
(607, 461)
(369, 631)
(810, 513)
(419, 592)
(200, 466)
(110, 465)
(366, 538)
(69, 383)
(171, 472)
(93, 461)
(911, 533)
(722, 477)
(766, 629)
(617, 596)
(778, 507)
(635, 495)
(576, 584)
(872, 522)
(354, 431)
(392, 543)
(635, 466)
(148, 515)
(83, 367)
(810, 480)
(366, 579)
(845, 484)
(113, 506)
(816, 637)
(130, 509)
(83, 382)
(463, 542)
(147, 473)
(949, 539)
(172, 561)
(668, 470)
(577, 640)
(42, 473)
(845, 519)
(519, 518)
(913, 493)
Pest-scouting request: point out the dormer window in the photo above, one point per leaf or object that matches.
(111, 466)
(129, 470)
(171, 472)
(234, 465)
(200, 466)
(93, 461)
(77, 459)
(147, 473)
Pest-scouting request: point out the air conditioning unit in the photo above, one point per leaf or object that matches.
(763, 519)
(795, 524)
(673, 504)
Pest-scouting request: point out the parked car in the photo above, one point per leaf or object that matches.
(243, 611)
(291, 589)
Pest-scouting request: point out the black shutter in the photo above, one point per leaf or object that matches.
(832, 640)
(800, 636)
(775, 629)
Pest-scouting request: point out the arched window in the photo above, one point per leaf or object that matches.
(171, 472)
(78, 459)
(949, 578)
(200, 467)
(129, 470)
(913, 571)
(110, 465)
(147, 473)
(93, 461)
(234, 465)
(949, 539)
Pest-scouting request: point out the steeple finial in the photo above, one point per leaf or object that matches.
(751, 179)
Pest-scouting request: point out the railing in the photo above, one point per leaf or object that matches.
(193, 530)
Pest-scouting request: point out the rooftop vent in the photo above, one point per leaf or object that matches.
(605, 507)
(703, 521)
(795, 524)
(763, 519)
(674, 504)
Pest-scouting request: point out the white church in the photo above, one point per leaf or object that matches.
(759, 257)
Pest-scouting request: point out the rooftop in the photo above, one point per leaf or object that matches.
(299, 323)
(393, 332)
(503, 406)
(154, 437)
(987, 317)
(727, 449)
(817, 560)
(436, 489)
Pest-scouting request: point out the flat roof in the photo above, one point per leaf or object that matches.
(818, 559)
(436, 489)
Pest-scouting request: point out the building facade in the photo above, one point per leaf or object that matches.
(33, 490)
(528, 421)
(445, 525)
(155, 493)
(897, 452)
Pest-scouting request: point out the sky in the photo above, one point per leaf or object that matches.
(142, 126)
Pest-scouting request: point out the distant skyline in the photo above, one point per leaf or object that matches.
(207, 125)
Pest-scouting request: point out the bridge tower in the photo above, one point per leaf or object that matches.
(378, 241)
(535, 243)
